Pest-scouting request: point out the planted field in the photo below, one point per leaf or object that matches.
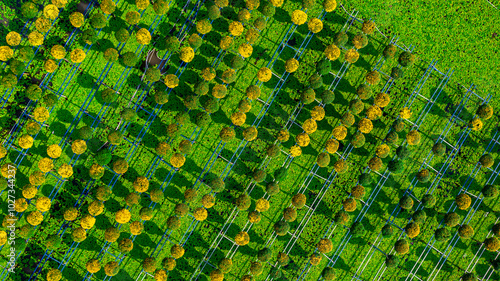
(251, 140)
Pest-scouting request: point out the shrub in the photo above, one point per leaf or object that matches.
(489, 191)
(290, 214)
(406, 59)
(402, 247)
(328, 273)
(242, 238)
(332, 52)
(272, 188)
(358, 140)
(349, 205)
(406, 202)
(463, 201)
(125, 246)
(451, 219)
(373, 77)
(465, 231)
(428, 200)
(403, 152)
(423, 176)
(387, 231)
(486, 161)
(375, 164)
(243, 202)
(396, 166)
(359, 41)
(365, 179)
(485, 111)
(281, 228)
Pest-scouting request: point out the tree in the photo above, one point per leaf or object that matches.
(226, 42)
(264, 254)
(463, 201)
(76, 19)
(71, 214)
(13, 38)
(250, 133)
(203, 26)
(283, 259)
(122, 35)
(216, 275)
(397, 73)
(281, 228)
(243, 202)
(295, 151)
(351, 56)
(489, 191)
(29, 10)
(65, 170)
(328, 273)
(272, 188)
(200, 214)
(406, 59)
(291, 65)
(360, 41)
(125, 245)
(219, 91)
(122, 216)
(79, 146)
(261, 205)
(25, 141)
(358, 140)
(325, 246)
(465, 231)
(406, 202)
(476, 124)
(41, 114)
(357, 229)
(169, 263)
(268, 9)
(375, 164)
(133, 17)
(365, 125)
(492, 244)
(341, 217)
(365, 179)
(17, 68)
(299, 17)
(52, 242)
(391, 261)
(98, 21)
(160, 7)
(451, 219)
(485, 111)
(213, 12)
(358, 191)
(439, 149)
(373, 77)
(349, 205)
(412, 229)
(315, 25)
(323, 159)
(347, 119)
(402, 152)
(332, 52)
(77, 55)
(419, 216)
(79, 235)
(186, 54)
(402, 247)
(396, 166)
(111, 268)
(486, 161)
(236, 28)
(428, 201)
(152, 75)
(87, 222)
(217, 184)
(89, 36)
(254, 217)
(54, 275)
(111, 234)
(160, 275)
(413, 137)
(442, 234)
(299, 200)
(387, 231)
(264, 74)
(242, 238)
(149, 265)
(398, 125)
(290, 214)
(227, 134)
(238, 118)
(389, 51)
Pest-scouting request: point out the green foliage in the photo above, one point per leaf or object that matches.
(98, 21)
(122, 35)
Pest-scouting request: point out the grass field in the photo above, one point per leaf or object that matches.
(436, 31)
